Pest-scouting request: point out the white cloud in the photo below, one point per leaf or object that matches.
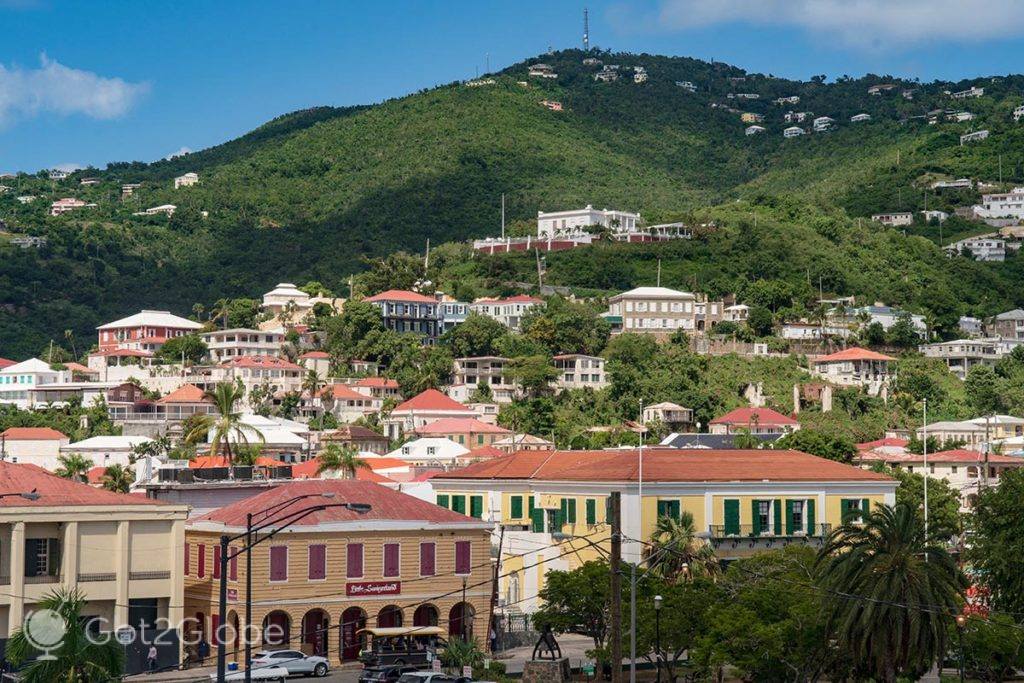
(876, 23)
(182, 151)
(59, 89)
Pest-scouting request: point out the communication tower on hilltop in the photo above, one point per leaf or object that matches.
(586, 31)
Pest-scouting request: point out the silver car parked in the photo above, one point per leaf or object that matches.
(297, 663)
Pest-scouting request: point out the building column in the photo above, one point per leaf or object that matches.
(17, 613)
(122, 567)
(69, 555)
(176, 608)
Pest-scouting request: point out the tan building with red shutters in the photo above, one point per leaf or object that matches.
(405, 562)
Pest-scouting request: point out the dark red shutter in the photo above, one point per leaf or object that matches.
(233, 565)
(188, 550)
(216, 561)
(354, 560)
(201, 564)
(317, 562)
(215, 622)
(391, 559)
(462, 561)
(279, 563)
(427, 551)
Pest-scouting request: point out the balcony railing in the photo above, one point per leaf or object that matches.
(5, 581)
(143, 576)
(747, 531)
(43, 578)
(87, 578)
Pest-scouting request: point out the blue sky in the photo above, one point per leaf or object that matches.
(87, 83)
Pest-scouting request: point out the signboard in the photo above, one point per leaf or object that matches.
(435, 665)
(467, 672)
(233, 595)
(372, 588)
(125, 636)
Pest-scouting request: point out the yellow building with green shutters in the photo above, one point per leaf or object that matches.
(552, 505)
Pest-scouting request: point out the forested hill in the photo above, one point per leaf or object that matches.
(306, 195)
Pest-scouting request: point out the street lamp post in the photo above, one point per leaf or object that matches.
(279, 524)
(657, 634)
(960, 621)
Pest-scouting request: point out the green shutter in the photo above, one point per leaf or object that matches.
(591, 511)
(778, 516)
(476, 506)
(662, 508)
(459, 504)
(537, 520)
(755, 517)
(674, 509)
(571, 516)
(517, 507)
(865, 507)
(844, 510)
(442, 500)
(558, 519)
(529, 507)
(810, 517)
(732, 517)
(789, 517)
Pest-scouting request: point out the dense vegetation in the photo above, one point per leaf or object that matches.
(307, 195)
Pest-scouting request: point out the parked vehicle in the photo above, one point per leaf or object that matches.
(402, 645)
(293, 661)
(427, 677)
(267, 674)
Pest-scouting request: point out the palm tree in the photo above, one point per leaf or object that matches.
(73, 466)
(77, 658)
(344, 460)
(311, 384)
(118, 478)
(894, 592)
(227, 423)
(676, 551)
(70, 337)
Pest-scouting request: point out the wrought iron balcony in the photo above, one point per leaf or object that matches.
(747, 531)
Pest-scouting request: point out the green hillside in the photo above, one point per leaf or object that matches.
(307, 195)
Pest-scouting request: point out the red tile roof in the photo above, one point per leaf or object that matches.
(482, 453)
(663, 464)
(385, 503)
(32, 434)
(186, 393)
(762, 416)
(852, 353)
(6, 363)
(385, 463)
(203, 462)
(343, 393)
(402, 295)
(431, 399)
(307, 470)
(54, 491)
(261, 362)
(377, 382)
(95, 475)
(78, 367)
(123, 353)
(315, 354)
(460, 425)
(888, 441)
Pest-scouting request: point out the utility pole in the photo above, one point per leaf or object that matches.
(659, 272)
(924, 442)
(494, 587)
(502, 215)
(984, 475)
(540, 275)
(615, 616)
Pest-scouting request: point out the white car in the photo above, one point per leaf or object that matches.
(426, 677)
(293, 661)
(275, 674)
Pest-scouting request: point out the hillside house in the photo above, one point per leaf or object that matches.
(1001, 205)
(469, 374)
(960, 116)
(754, 130)
(38, 446)
(557, 223)
(880, 88)
(856, 367)
(62, 206)
(796, 116)
(960, 355)
(187, 180)
(465, 431)
(144, 331)
(420, 410)
(973, 91)
(860, 118)
(1018, 113)
(639, 74)
(751, 117)
(653, 310)
(981, 248)
(429, 452)
(792, 99)
(541, 71)
(896, 219)
(688, 86)
(792, 132)
(609, 73)
(552, 105)
(508, 311)
(958, 184)
(89, 181)
(57, 174)
(823, 123)
(757, 421)
(404, 311)
(165, 209)
(976, 136)
(128, 189)
(672, 415)
(934, 215)
(579, 371)
(224, 345)
(1009, 325)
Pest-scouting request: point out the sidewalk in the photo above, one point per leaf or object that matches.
(191, 675)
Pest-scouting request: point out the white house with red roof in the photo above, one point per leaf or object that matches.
(430, 451)
(36, 445)
(122, 551)
(508, 311)
(378, 387)
(856, 367)
(340, 400)
(422, 409)
(465, 431)
(223, 345)
(757, 421)
(144, 331)
(317, 361)
(409, 312)
(275, 374)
